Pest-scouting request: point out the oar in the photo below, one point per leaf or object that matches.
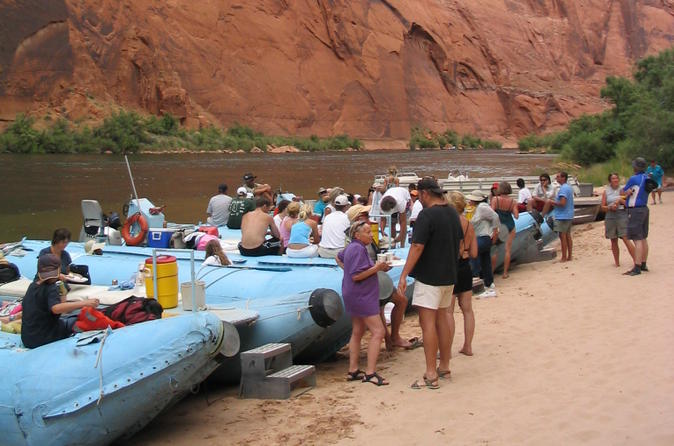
(260, 268)
(322, 265)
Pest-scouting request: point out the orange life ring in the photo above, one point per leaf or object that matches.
(133, 240)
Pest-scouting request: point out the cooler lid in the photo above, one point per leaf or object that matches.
(161, 259)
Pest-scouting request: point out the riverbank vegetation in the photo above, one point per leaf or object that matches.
(129, 132)
(640, 123)
(422, 138)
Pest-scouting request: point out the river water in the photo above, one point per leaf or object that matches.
(43, 192)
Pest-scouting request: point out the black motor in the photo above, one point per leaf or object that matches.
(325, 307)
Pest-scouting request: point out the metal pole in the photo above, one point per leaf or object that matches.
(154, 274)
(133, 185)
(194, 283)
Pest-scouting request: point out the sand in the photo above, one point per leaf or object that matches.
(568, 353)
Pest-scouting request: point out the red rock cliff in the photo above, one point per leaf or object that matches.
(367, 68)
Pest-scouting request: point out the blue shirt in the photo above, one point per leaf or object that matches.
(319, 207)
(656, 173)
(564, 212)
(639, 197)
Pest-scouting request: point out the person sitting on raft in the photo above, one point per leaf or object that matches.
(59, 241)
(256, 190)
(540, 200)
(360, 290)
(293, 211)
(333, 238)
(304, 237)
(43, 306)
(254, 228)
(215, 256)
(238, 208)
(523, 196)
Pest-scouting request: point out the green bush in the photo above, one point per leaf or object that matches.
(20, 136)
(122, 132)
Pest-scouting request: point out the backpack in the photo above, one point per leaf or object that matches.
(9, 272)
(650, 185)
(133, 310)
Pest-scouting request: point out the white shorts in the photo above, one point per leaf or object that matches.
(307, 251)
(430, 296)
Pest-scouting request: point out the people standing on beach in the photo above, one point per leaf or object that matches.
(395, 203)
(218, 207)
(254, 228)
(304, 236)
(486, 223)
(393, 339)
(416, 206)
(433, 260)
(360, 291)
(506, 208)
(238, 208)
(615, 221)
(333, 237)
(563, 214)
(656, 173)
(637, 216)
(463, 289)
(255, 189)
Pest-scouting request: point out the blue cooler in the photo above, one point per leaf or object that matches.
(159, 237)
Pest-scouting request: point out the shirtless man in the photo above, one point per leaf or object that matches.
(254, 227)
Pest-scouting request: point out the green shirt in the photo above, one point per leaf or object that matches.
(237, 208)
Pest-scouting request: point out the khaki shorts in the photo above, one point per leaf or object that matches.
(562, 226)
(430, 296)
(615, 227)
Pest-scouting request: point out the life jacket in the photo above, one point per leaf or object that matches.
(133, 310)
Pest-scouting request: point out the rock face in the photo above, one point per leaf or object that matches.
(373, 69)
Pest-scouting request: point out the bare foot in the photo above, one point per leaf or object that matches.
(466, 351)
(505, 276)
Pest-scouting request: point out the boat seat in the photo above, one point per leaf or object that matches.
(267, 372)
(93, 224)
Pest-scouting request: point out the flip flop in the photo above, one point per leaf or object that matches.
(444, 373)
(428, 383)
(355, 376)
(375, 379)
(415, 342)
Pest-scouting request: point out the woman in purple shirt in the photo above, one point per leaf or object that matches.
(360, 290)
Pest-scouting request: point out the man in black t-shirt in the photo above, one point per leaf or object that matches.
(43, 305)
(432, 261)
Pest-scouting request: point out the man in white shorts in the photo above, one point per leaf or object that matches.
(432, 261)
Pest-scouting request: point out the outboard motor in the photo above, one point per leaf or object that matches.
(325, 307)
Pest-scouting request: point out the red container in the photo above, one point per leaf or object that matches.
(213, 230)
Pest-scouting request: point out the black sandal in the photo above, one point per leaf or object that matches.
(358, 375)
(371, 379)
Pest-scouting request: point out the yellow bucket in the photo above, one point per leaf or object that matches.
(375, 233)
(167, 281)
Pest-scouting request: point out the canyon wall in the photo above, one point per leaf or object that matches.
(372, 69)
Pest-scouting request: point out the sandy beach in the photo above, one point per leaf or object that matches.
(568, 353)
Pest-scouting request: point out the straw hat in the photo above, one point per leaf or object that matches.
(91, 245)
(355, 210)
(477, 196)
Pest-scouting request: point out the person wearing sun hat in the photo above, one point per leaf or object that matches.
(43, 306)
(333, 238)
(240, 205)
(486, 223)
(94, 248)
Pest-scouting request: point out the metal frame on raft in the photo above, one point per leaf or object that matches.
(192, 273)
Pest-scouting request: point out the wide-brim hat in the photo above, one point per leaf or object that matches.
(322, 190)
(91, 245)
(476, 195)
(48, 267)
(355, 210)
